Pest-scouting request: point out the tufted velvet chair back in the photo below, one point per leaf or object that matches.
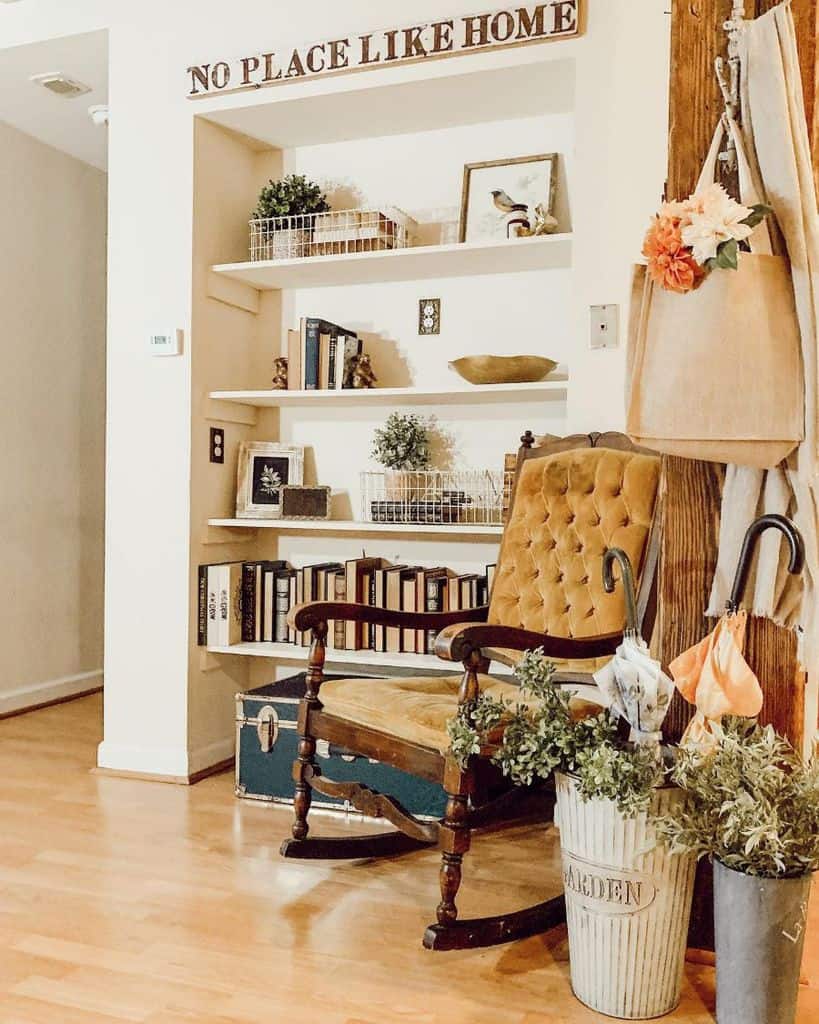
(572, 500)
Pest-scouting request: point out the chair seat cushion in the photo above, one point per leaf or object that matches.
(415, 709)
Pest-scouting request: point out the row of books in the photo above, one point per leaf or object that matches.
(249, 601)
(320, 355)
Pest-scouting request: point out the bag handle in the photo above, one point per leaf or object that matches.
(760, 240)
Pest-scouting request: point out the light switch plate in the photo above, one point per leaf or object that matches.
(165, 343)
(605, 323)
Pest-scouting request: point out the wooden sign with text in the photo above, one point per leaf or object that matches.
(512, 26)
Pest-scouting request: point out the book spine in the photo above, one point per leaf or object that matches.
(340, 594)
(282, 607)
(213, 606)
(248, 602)
(291, 633)
(332, 358)
(312, 346)
(223, 603)
(269, 613)
(202, 619)
(371, 632)
(434, 603)
(352, 348)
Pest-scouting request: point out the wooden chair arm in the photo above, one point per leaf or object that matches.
(308, 616)
(459, 642)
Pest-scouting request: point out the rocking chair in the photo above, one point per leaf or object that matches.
(572, 499)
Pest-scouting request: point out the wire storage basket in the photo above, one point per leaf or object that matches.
(336, 233)
(433, 496)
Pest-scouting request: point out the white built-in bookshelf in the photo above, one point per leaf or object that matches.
(418, 263)
(557, 384)
(364, 659)
(442, 530)
(402, 135)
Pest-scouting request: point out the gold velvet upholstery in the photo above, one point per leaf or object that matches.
(414, 709)
(568, 508)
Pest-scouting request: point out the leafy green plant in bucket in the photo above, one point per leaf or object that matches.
(752, 803)
(539, 735)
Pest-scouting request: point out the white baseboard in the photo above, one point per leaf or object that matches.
(202, 758)
(175, 764)
(152, 761)
(44, 693)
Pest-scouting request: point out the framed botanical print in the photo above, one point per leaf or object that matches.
(506, 198)
(264, 468)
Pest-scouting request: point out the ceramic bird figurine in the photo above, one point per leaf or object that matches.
(506, 204)
(280, 374)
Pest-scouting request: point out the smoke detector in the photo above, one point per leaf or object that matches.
(60, 84)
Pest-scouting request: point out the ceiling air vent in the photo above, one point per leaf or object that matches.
(60, 84)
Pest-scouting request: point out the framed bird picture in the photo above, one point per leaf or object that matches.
(509, 198)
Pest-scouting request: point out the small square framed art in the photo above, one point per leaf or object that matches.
(264, 468)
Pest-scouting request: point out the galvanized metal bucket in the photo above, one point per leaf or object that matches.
(628, 903)
(760, 933)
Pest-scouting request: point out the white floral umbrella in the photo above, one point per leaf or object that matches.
(633, 683)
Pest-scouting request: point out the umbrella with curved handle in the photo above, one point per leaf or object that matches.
(713, 675)
(611, 556)
(773, 521)
(633, 683)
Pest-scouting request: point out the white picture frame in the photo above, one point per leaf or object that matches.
(263, 468)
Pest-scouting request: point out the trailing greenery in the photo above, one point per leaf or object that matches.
(539, 735)
(289, 197)
(752, 803)
(402, 443)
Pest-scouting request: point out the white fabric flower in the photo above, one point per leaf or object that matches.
(714, 218)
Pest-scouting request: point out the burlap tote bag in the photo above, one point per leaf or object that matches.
(716, 374)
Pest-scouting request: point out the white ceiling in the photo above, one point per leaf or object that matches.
(62, 123)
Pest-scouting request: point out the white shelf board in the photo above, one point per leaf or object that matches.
(417, 263)
(480, 88)
(398, 396)
(290, 652)
(348, 526)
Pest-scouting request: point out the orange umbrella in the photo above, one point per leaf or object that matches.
(714, 675)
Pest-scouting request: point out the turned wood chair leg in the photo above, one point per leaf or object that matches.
(303, 797)
(454, 839)
(305, 763)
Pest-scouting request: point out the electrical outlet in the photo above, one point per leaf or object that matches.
(429, 316)
(605, 326)
(217, 444)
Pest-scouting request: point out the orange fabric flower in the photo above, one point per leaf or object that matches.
(670, 262)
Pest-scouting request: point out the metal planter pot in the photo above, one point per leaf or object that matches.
(760, 933)
(628, 903)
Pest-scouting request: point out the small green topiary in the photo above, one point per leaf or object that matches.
(402, 443)
(290, 197)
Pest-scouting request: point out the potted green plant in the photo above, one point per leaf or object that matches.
(401, 446)
(753, 807)
(628, 898)
(282, 223)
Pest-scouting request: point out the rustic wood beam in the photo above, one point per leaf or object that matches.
(692, 490)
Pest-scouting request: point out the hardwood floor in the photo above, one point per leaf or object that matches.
(136, 901)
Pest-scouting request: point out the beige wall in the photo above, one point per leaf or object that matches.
(52, 421)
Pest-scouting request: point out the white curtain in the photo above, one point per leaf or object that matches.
(773, 115)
